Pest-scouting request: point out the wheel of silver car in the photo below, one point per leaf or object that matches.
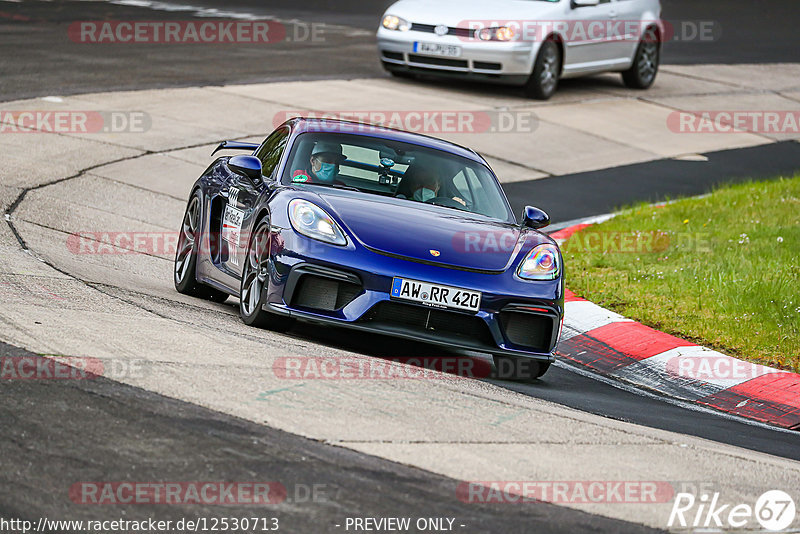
(186, 255)
(643, 72)
(543, 81)
(255, 279)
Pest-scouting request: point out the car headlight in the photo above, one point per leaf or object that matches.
(503, 33)
(310, 220)
(391, 22)
(541, 263)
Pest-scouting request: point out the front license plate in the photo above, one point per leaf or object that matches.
(435, 49)
(436, 295)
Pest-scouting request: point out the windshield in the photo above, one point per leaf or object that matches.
(395, 169)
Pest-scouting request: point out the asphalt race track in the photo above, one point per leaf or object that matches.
(158, 430)
(54, 434)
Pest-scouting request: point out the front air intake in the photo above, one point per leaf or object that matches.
(527, 330)
(318, 293)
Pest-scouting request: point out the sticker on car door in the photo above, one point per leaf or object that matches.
(232, 225)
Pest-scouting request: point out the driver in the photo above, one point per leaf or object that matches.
(426, 187)
(323, 166)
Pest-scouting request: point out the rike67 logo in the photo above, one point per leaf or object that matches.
(773, 511)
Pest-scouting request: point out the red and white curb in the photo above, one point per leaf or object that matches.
(619, 348)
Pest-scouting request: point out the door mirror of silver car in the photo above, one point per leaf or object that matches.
(247, 166)
(584, 3)
(534, 218)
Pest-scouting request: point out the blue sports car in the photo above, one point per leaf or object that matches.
(378, 230)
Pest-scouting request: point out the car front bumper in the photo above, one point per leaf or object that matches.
(350, 287)
(506, 62)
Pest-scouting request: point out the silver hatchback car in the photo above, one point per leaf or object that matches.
(532, 43)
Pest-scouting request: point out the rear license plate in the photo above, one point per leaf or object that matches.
(435, 295)
(435, 49)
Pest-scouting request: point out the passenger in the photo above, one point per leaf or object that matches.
(426, 185)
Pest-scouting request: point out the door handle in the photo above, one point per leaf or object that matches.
(612, 14)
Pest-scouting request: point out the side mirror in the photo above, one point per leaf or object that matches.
(535, 218)
(247, 166)
(584, 3)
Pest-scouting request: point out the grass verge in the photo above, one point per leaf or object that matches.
(721, 270)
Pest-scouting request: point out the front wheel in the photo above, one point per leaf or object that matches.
(255, 278)
(643, 72)
(543, 80)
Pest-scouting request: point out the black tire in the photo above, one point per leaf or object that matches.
(255, 276)
(186, 255)
(543, 81)
(519, 369)
(214, 295)
(643, 72)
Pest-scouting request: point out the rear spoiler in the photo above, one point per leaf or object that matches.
(235, 145)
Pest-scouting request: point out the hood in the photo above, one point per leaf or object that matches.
(457, 12)
(410, 230)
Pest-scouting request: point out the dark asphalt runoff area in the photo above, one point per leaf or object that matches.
(56, 433)
(586, 194)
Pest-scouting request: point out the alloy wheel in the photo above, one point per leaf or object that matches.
(255, 272)
(549, 76)
(187, 240)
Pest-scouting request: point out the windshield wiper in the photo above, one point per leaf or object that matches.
(337, 186)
